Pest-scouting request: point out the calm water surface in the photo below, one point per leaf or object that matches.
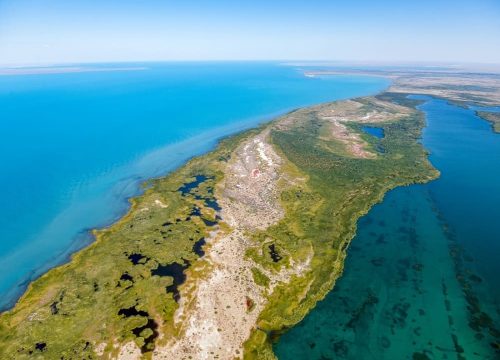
(75, 146)
(374, 131)
(421, 276)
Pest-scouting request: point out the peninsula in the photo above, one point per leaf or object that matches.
(218, 258)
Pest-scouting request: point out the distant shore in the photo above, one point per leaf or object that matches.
(63, 70)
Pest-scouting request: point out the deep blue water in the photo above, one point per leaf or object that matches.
(421, 276)
(75, 146)
(374, 131)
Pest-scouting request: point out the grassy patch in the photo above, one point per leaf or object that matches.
(322, 213)
(113, 291)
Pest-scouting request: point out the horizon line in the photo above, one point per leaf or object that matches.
(296, 62)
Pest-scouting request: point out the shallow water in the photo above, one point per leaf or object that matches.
(75, 146)
(419, 279)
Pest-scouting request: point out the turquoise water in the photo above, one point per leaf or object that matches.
(75, 146)
(421, 276)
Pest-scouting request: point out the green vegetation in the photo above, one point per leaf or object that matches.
(491, 117)
(321, 215)
(124, 287)
(259, 278)
(108, 293)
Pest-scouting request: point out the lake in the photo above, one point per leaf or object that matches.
(374, 131)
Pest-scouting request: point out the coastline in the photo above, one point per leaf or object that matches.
(269, 327)
(132, 187)
(56, 235)
(212, 166)
(416, 252)
(492, 117)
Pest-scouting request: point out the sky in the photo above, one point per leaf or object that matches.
(36, 32)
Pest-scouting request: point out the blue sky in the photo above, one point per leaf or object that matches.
(61, 31)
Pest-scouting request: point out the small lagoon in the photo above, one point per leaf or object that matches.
(374, 131)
